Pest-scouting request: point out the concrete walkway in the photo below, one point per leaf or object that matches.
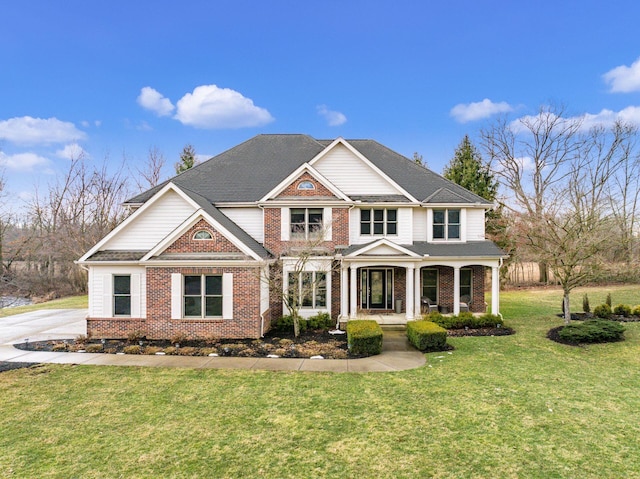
(397, 354)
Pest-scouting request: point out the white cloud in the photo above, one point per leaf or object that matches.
(605, 118)
(153, 100)
(624, 79)
(212, 107)
(28, 130)
(334, 118)
(72, 151)
(464, 113)
(23, 161)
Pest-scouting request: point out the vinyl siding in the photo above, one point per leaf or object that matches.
(101, 295)
(405, 228)
(249, 219)
(152, 225)
(351, 175)
(475, 225)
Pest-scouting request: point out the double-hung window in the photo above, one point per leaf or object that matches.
(379, 222)
(308, 289)
(202, 296)
(465, 283)
(446, 224)
(430, 284)
(306, 223)
(122, 295)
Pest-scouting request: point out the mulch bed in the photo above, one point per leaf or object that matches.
(480, 332)
(8, 366)
(613, 317)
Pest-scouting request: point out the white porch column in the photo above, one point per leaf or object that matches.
(410, 292)
(344, 291)
(495, 290)
(416, 303)
(456, 290)
(353, 294)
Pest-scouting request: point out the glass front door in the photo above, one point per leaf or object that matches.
(377, 288)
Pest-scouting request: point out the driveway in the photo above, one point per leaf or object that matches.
(42, 325)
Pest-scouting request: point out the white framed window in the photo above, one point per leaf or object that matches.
(306, 223)
(202, 235)
(122, 295)
(378, 222)
(202, 296)
(446, 224)
(306, 185)
(308, 289)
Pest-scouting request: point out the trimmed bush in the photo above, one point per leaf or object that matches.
(285, 324)
(321, 321)
(602, 311)
(364, 337)
(426, 335)
(622, 310)
(132, 349)
(592, 331)
(636, 310)
(465, 319)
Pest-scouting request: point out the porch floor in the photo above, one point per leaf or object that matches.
(385, 318)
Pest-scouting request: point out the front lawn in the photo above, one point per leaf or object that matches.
(501, 407)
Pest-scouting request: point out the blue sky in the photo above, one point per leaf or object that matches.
(116, 78)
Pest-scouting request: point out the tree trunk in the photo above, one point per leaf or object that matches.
(543, 272)
(567, 311)
(296, 325)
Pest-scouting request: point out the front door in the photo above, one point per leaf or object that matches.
(377, 288)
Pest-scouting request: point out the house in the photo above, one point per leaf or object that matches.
(197, 254)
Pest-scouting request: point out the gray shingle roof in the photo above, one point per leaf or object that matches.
(113, 255)
(250, 170)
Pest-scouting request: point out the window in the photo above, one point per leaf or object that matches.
(308, 289)
(202, 235)
(430, 284)
(202, 296)
(446, 224)
(378, 222)
(306, 223)
(122, 295)
(465, 283)
(306, 185)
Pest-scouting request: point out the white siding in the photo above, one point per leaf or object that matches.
(475, 225)
(101, 290)
(152, 225)
(351, 175)
(420, 224)
(249, 219)
(405, 228)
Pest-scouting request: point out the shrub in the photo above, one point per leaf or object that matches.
(636, 310)
(585, 304)
(60, 347)
(320, 321)
(133, 349)
(285, 323)
(608, 300)
(592, 331)
(434, 317)
(94, 348)
(152, 350)
(81, 339)
(466, 319)
(135, 336)
(426, 335)
(602, 311)
(364, 337)
(178, 338)
(622, 310)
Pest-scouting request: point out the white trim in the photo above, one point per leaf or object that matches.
(343, 142)
(107, 295)
(380, 242)
(135, 292)
(176, 295)
(285, 223)
(305, 167)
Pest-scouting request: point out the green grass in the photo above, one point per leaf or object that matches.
(71, 302)
(501, 407)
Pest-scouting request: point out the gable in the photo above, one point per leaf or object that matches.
(352, 175)
(153, 224)
(296, 188)
(188, 244)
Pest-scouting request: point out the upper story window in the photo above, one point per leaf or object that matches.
(202, 235)
(306, 185)
(446, 224)
(306, 223)
(379, 222)
(122, 295)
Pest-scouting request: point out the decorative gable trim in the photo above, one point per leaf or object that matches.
(189, 223)
(382, 243)
(135, 215)
(361, 157)
(304, 168)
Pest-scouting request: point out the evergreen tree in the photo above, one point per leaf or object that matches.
(467, 169)
(187, 159)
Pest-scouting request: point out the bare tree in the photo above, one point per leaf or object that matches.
(529, 158)
(151, 174)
